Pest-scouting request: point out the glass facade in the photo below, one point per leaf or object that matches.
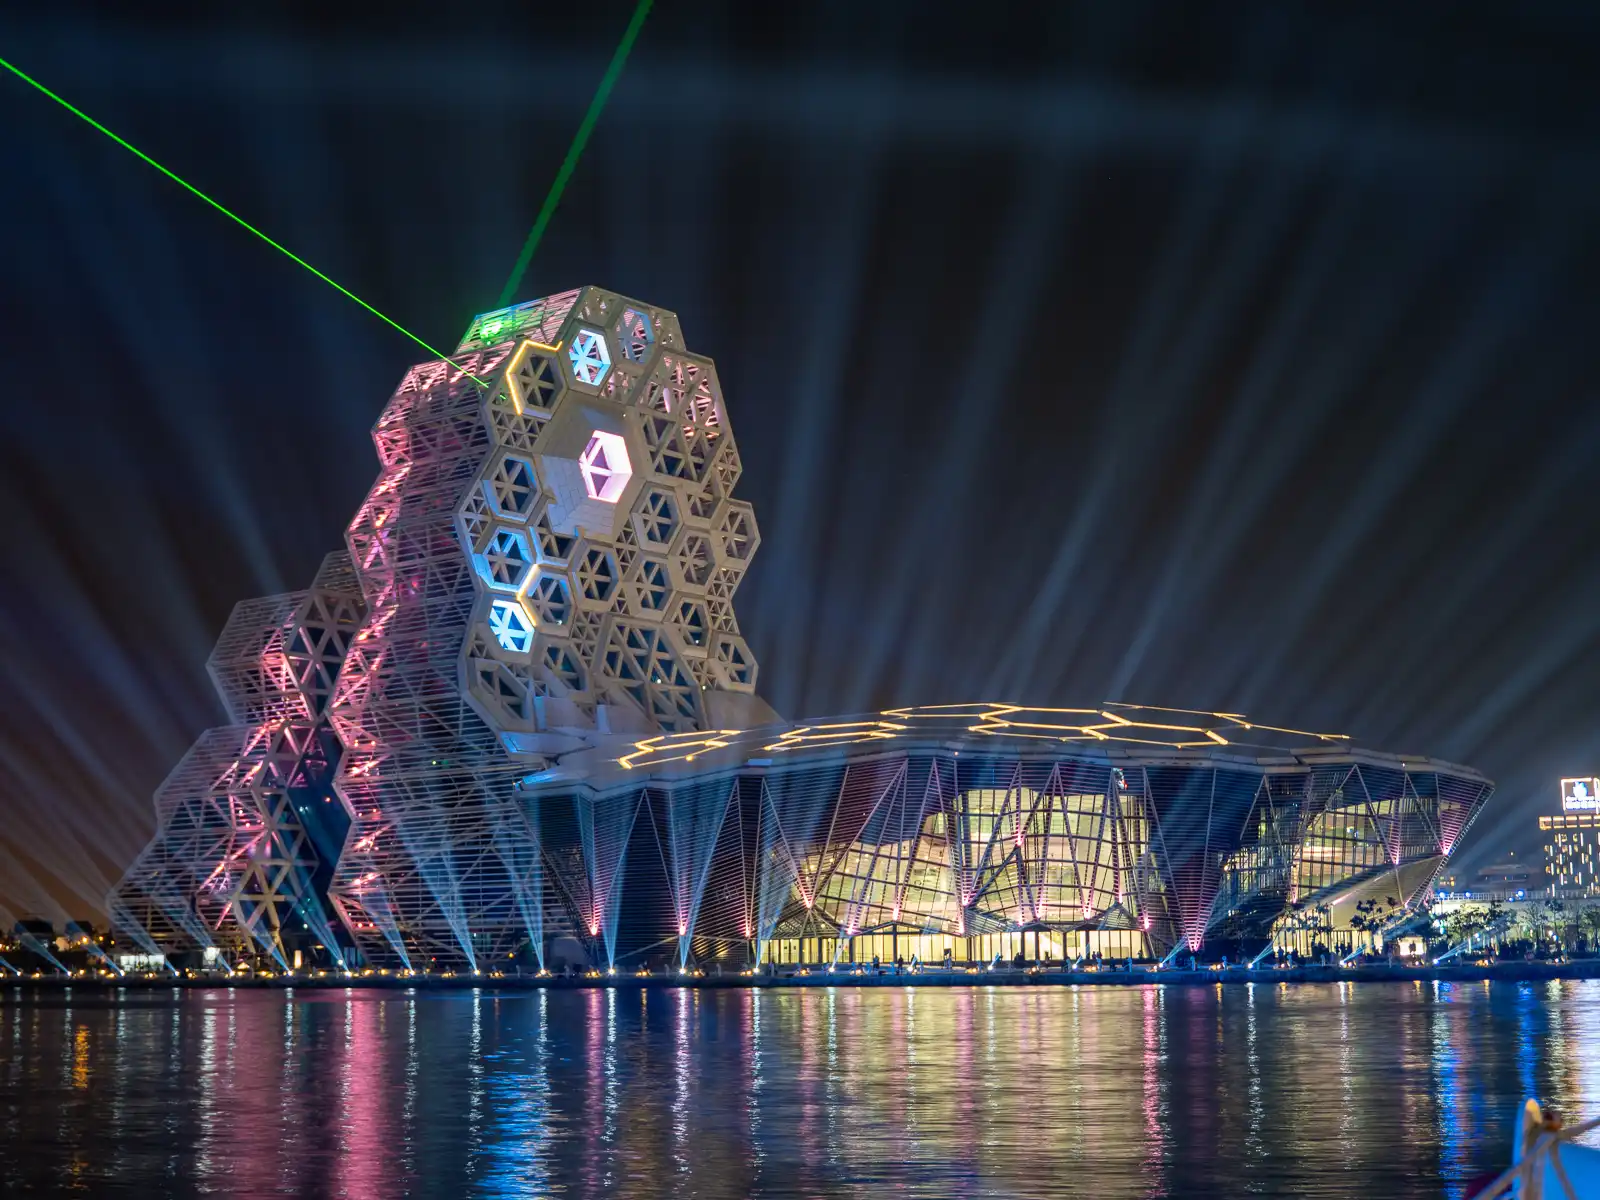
(870, 852)
(1059, 869)
(1321, 843)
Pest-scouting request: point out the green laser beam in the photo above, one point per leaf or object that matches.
(233, 216)
(575, 151)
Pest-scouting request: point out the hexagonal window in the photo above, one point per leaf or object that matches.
(694, 559)
(513, 488)
(669, 451)
(657, 517)
(597, 575)
(550, 599)
(589, 357)
(506, 560)
(653, 586)
(534, 380)
(511, 626)
(734, 656)
(738, 530)
(636, 333)
(691, 621)
(605, 466)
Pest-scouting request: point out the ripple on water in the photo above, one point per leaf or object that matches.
(1402, 1089)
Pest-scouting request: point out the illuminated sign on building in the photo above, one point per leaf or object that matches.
(1580, 795)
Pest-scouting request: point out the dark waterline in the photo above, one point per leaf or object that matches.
(1350, 1089)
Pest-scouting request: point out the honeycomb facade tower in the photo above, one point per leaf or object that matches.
(518, 720)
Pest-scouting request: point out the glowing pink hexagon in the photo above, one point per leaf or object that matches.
(605, 466)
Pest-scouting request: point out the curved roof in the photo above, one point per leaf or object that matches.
(1113, 732)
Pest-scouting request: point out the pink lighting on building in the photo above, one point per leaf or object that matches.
(605, 466)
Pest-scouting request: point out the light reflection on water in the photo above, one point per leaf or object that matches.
(1341, 1090)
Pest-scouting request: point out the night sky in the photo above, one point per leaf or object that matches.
(1236, 356)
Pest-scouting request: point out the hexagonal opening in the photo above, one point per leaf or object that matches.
(506, 560)
(589, 357)
(605, 466)
(636, 334)
(512, 489)
(511, 625)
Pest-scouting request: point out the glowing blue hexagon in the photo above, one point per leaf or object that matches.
(511, 626)
(590, 358)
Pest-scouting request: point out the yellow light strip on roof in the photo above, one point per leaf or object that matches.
(693, 743)
(990, 720)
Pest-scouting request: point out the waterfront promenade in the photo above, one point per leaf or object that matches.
(937, 977)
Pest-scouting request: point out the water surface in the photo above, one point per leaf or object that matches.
(1338, 1090)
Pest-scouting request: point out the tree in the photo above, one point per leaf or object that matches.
(1313, 921)
(1533, 921)
(1589, 924)
(1565, 923)
(1371, 916)
(1468, 921)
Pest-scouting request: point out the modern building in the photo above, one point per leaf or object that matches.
(515, 719)
(1570, 838)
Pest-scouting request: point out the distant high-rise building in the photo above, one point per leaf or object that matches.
(1570, 839)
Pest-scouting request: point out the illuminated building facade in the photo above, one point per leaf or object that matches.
(248, 825)
(1569, 853)
(533, 731)
(1570, 840)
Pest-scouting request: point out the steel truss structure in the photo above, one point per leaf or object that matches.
(248, 827)
(518, 717)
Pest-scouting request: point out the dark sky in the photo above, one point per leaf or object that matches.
(1235, 356)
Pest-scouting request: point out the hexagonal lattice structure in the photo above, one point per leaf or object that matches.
(607, 436)
(531, 580)
(248, 825)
